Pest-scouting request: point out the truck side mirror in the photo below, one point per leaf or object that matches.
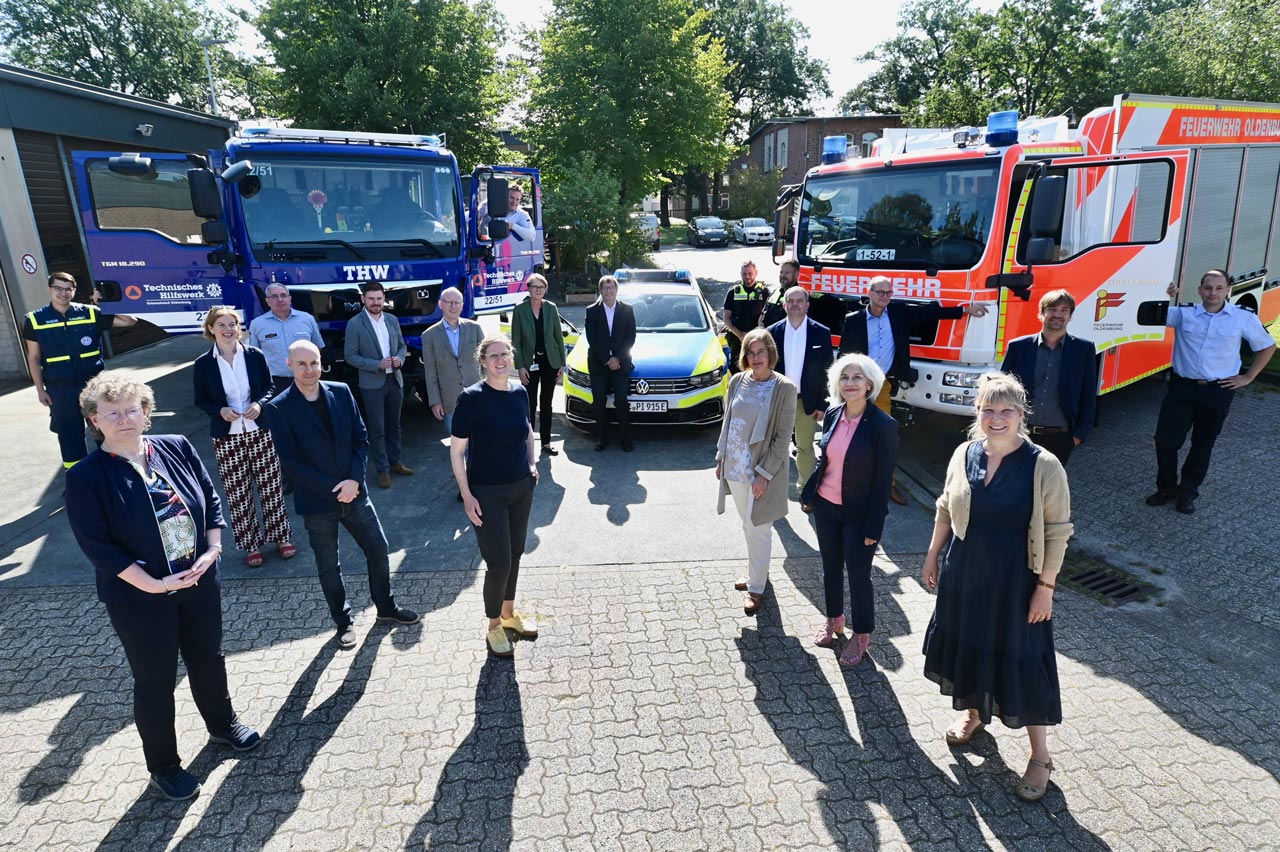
(133, 165)
(1046, 206)
(237, 172)
(498, 230)
(213, 233)
(205, 200)
(1040, 250)
(496, 188)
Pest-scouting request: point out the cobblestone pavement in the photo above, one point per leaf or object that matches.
(650, 715)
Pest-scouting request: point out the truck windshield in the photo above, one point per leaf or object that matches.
(374, 209)
(930, 217)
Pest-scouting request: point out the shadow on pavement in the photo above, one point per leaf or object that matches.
(888, 767)
(473, 801)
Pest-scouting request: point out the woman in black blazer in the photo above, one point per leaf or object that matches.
(848, 495)
(145, 514)
(232, 384)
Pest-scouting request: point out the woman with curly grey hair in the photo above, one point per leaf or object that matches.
(144, 511)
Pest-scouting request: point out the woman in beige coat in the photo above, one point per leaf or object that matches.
(1004, 517)
(753, 453)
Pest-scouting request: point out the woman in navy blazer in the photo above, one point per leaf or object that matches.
(232, 385)
(848, 495)
(145, 514)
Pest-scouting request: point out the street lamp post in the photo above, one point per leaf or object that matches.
(205, 44)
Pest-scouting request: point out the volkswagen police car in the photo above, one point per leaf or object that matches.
(680, 358)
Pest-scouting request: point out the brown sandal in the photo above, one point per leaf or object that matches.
(740, 585)
(1029, 792)
(752, 603)
(961, 738)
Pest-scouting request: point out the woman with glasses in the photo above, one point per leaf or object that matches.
(494, 461)
(144, 512)
(539, 352)
(232, 384)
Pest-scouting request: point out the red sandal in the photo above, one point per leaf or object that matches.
(254, 559)
(288, 551)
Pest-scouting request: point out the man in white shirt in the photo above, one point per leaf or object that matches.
(1205, 376)
(804, 356)
(275, 331)
(375, 347)
(521, 224)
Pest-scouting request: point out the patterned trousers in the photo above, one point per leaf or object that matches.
(246, 460)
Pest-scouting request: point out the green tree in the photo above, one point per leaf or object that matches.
(148, 48)
(753, 192)
(425, 66)
(637, 84)
(770, 70)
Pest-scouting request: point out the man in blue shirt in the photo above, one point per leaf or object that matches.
(1205, 376)
(276, 331)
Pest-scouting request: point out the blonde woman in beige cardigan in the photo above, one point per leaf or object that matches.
(1004, 520)
(754, 452)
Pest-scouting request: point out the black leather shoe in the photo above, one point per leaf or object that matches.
(400, 615)
(1160, 498)
(626, 445)
(175, 784)
(1186, 506)
(549, 450)
(239, 736)
(600, 445)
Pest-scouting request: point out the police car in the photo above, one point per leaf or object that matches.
(680, 357)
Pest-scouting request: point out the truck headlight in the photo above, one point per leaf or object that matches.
(956, 379)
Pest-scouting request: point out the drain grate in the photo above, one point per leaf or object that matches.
(1118, 590)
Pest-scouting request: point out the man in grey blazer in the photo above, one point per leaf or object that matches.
(449, 357)
(375, 347)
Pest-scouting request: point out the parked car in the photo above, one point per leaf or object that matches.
(647, 224)
(681, 368)
(708, 231)
(752, 230)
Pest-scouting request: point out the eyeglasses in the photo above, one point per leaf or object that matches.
(117, 416)
(537, 286)
(70, 291)
(882, 292)
(278, 296)
(451, 302)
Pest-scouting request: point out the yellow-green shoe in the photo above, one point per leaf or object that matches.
(524, 629)
(499, 644)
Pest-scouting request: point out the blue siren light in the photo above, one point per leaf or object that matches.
(834, 149)
(1002, 128)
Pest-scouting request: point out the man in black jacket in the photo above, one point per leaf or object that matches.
(882, 331)
(804, 355)
(1060, 373)
(611, 332)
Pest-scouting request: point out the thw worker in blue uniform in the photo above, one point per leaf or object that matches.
(64, 351)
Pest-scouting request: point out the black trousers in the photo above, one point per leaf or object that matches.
(604, 380)
(1200, 408)
(505, 511)
(542, 387)
(843, 552)
(189, 622)
(735, 350)
(65, 419)
(1059, 443)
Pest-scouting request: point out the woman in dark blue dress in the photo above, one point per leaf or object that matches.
(1004, 518)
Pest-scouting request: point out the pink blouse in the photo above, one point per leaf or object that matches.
(829, 488)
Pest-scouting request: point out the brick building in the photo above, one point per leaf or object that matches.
(794, 145)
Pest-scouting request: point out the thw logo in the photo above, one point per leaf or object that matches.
(1106, 300)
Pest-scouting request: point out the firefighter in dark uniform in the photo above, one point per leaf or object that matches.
(743, 307)
(64, 351)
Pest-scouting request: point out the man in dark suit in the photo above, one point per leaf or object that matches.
(611, 332)
(1060, 373)
(804, 355)
(324, 448)
(375, 347)
(883, 330)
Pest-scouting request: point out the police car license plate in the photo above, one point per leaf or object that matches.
(658, 406)
(875, 254)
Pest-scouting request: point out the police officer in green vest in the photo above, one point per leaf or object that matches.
(743, 306)
(64, 351)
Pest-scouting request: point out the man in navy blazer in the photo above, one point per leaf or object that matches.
(1060, 373)
(611, 332)
(804, 356)
(324, 448)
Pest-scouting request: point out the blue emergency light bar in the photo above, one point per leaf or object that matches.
(1002, 128)
(834, 149)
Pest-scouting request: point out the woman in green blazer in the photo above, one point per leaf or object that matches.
(539, 349)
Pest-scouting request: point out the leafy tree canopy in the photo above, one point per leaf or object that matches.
(425, 66)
